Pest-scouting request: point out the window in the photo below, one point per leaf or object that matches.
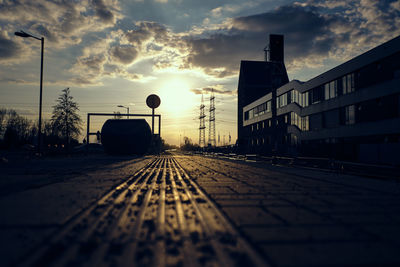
(293, 96)
(246, 115)
(282, 100)
(350, 115)
(304, 99)
(317, 95)
(251, 114)
(330, 90)
(293, 139)
(348, 83)
(260, 110)
(263, 125)
(269, 106)
(305, 124)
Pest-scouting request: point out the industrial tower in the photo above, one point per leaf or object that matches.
(211, 123)
(202, 128)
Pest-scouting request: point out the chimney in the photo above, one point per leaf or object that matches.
(274, 51)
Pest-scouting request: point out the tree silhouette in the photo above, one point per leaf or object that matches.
(65, 118)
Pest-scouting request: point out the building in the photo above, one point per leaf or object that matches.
(350, 112)
(258, 78)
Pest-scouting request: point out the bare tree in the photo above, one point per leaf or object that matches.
(65, 118)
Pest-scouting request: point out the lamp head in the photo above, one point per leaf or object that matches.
(22, 34)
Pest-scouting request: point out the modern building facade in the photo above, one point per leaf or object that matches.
(350, 112)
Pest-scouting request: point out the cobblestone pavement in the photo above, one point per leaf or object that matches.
(300, 217)
(156, 217)
(193, 210)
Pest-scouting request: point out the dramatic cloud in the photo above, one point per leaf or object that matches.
(314, 31)
(61, 22)
(306, 33)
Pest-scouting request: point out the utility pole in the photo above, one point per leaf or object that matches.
(202, 127)
(211, 122)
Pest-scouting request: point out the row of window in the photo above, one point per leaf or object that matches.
(258, 110)
(335, 117)
(261, 125)
(266, 140)
(292, 96)
(332, 89)
(299, 98)
(301, 122)
(303, 99)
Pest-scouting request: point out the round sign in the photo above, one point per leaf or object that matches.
(153, 101)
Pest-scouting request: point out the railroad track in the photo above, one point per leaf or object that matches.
(157, 217)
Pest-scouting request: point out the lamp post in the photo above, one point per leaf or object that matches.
(27, 35)
(127, 109)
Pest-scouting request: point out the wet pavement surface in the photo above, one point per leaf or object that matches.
(186, 210)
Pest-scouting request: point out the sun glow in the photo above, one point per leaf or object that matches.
(176, 97)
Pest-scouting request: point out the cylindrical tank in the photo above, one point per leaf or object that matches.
(126, 136)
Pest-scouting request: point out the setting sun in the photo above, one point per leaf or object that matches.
(176, 96)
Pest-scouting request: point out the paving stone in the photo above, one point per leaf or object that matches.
(239, 202)
(384, 232)
(296, 215)
(218, 189)
(311, 217)
(234, 196)
(332, 254)
(307, 233)
(18, 240)
(250, 215)
(363, 218)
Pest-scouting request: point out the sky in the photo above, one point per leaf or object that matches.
(117, 52)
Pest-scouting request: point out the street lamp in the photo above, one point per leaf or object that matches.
(27, 35)
(127, 109)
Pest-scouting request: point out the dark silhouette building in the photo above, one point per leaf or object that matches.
(350, 112)
(258, 78)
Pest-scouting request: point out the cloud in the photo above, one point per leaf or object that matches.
(8, 48)
(220, 52)
(218, 90)
(18, 81)
(145, 31)
(103, 12)
(316, 31)
(62, 23)
(13, 50)
(123, 54)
